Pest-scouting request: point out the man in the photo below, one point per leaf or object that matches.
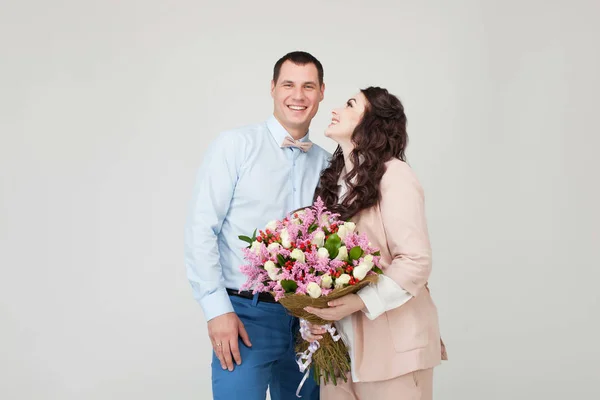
(249, 177)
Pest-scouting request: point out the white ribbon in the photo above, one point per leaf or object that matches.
(305, 359)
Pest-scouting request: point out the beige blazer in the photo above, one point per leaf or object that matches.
(406, 338)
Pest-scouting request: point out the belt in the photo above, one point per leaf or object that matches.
(265, 297)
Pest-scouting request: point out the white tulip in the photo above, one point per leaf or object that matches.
(319, 238)
(326, 281)
(296, 220)
(313, 290)
(342, 254)
(350, 227)
(274, 247)
(368, 260)
(344, 279)
(272, 225)
(325, 221)
(255, 247)
(323, 253)
(272, 270)
(285, 239)
(342, 232)
(298, 255)
(360, 271)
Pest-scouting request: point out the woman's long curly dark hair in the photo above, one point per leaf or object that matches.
(379, 137)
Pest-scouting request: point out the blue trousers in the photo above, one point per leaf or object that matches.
(269, 363)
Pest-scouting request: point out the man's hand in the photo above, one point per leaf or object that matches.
(223, 332)
(338, 308)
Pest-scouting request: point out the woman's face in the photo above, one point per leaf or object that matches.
(344, 120)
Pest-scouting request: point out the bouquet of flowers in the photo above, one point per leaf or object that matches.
(308, 259)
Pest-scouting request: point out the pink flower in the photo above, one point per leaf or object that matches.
(301, 235)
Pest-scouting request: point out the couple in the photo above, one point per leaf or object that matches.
(259, 173)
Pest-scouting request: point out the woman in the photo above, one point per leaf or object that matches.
(391, 328)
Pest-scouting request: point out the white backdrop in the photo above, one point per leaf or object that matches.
(106, 109)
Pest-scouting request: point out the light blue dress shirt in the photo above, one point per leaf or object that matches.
(246, 180)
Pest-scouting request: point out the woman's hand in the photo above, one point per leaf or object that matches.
(339, 308)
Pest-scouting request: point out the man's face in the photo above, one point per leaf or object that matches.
(296, 95)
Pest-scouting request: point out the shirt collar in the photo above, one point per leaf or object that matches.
(279, 133)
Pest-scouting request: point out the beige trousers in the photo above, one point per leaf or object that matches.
(417, 385)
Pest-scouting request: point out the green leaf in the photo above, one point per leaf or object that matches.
(377, 253)
(333, 244)
(281, 260)
(377, 269)
(289, 286)
(312, 228)
(254, 235)
(355, 253)
(333, 252)
(246, 239)
(334, 240)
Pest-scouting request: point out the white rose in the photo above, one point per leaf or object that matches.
(323, 253)
(255, 247)
(326, 281)
(350, 227)
(342, 254)
(319, 238)
(325, 221)
(342, 232)
(313, 290)
(273, 247)
(272, 270)
(285, 239)
(360, 271)
(298, 255)
(344, 279)
(368, 260)
(272, 225)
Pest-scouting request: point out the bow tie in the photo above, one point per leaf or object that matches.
(289, 142)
